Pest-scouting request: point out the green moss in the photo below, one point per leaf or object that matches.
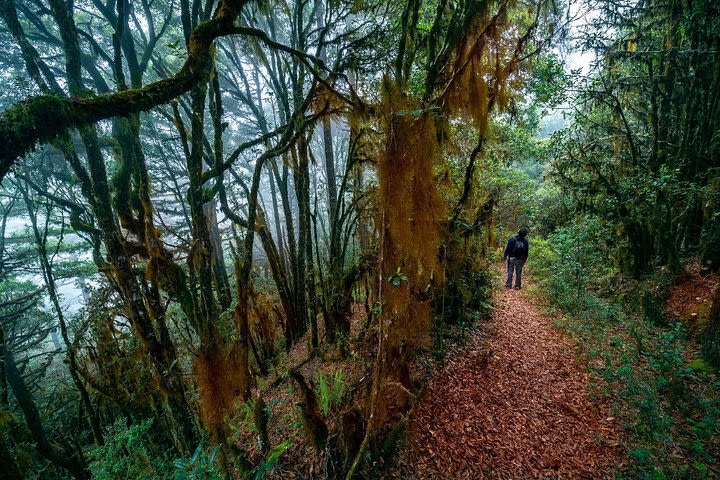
(701, 366)
(39, 118)
(696, 319)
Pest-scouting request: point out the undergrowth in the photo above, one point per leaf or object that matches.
(331, 390)
(665, 394)
(130, 453)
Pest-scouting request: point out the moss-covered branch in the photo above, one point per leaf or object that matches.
(40, 119)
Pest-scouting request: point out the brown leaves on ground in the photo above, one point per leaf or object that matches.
(689, 299)
(281, 395)
(516, 406)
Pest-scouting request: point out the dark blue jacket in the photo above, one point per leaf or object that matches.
(510, 248)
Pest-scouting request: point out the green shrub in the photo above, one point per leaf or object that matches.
(200, 466)
(669, 410)
(130, 453)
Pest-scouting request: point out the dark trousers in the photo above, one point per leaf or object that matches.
(514, 265)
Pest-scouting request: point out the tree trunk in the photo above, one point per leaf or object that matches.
(711, 336)
(300, 274)
(307, 271)
(222, 283)
(297, 288)
(279, 274)
(46, 267)
(276, 217)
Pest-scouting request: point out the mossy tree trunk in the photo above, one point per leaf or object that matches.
(711, 336)
(302, 189)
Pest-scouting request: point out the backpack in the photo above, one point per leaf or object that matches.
(519, 249)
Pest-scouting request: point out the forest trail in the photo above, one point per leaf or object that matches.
(514, 403)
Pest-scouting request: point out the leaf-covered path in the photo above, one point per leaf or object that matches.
(514, 403)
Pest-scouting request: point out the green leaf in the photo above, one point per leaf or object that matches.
(197, 453)
(213, 455)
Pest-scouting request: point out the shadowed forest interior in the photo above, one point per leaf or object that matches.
(264, 239)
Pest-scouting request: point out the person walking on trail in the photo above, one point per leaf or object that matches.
(516, 254)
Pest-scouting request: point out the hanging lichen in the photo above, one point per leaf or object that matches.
(412, 211)
(220, 379)
(481, 70)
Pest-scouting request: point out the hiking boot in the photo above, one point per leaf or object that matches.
(517, 288)
(508, 287)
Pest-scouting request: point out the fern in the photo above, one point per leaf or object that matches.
(331, 390)
(271, 460)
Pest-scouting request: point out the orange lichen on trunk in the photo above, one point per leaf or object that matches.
(412, 210)
(220, 381)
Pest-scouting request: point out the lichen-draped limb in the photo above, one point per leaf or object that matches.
(474, 73)
(478, 77)
(222, 377)
(44, 117)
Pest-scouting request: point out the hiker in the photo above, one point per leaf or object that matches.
(516, 253)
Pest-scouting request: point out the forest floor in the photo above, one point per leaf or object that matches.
(513, 402)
